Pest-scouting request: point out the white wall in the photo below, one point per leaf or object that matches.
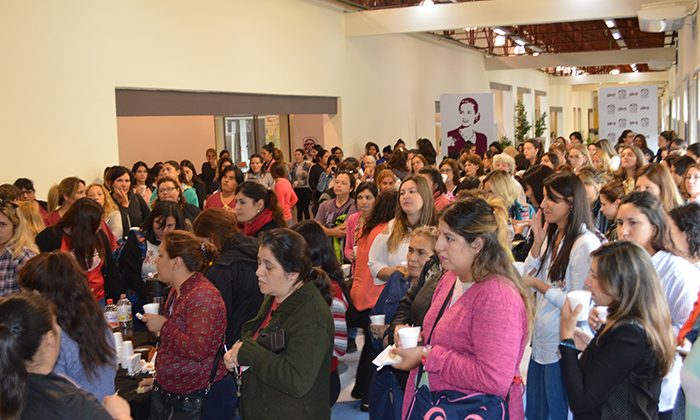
(63, 60)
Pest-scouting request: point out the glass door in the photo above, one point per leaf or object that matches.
(239, 139)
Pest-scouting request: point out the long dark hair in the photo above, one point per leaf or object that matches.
(322, 254)
(162, 210)
(435, 177)
(24, 320)
(383, 210)
(83, 219)
(292, 252)
(426, 149)
(115, 172)
(217, 224)
(195, 176)
(534, 177)
(651, 207)
(687, 219)
(256, 192)
(570, 187)
(149, 177)
(59, 278)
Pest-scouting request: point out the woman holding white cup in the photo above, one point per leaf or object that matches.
(480, 296)
(620, 371)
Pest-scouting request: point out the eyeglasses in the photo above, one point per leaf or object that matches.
(168, 189)
(25, 192)
(695, 177)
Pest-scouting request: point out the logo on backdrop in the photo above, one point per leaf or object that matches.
(466, 118)
(634, 108)
(611, 109)
(621, 94)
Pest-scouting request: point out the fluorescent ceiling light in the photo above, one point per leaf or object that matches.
(519, 41)
(427, 3)
(615, 71)
(616, 34)
(499, 31)
(536, 53)
(609, 23)
(519, 50)
(500, 41)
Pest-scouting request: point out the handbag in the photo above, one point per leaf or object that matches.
(427, 405)
(172, 406)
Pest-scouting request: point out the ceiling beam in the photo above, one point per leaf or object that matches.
(482, 14)
(579, 59)
(652, 77)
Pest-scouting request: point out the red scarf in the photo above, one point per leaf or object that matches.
(252, 227)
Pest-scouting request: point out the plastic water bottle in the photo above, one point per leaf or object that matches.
(124, 315)
(111, 315)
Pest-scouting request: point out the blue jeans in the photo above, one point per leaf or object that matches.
(221, 402)
(546, 392)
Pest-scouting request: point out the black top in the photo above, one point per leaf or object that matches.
(53, 397)
(208, 174)
(233, 274)
(617, 376)
(415, 304)
(135, 214)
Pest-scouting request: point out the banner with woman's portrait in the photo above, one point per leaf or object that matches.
(466, 119)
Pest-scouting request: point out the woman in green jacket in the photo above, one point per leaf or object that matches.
(285, 352)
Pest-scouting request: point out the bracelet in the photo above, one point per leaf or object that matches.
(426, 350)
(569, 342)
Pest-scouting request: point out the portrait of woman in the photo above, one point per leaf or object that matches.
(469, 117)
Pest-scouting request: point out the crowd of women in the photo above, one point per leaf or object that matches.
(272, 273)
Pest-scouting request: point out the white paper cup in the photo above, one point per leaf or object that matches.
(377, 319)
(127, 352)
(151, 308)
(583, 298)
(346, 269)
(409, 337)
(602, 313)
(118, 339)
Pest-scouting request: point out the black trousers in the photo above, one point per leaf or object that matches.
(303, 202)
(365, 368)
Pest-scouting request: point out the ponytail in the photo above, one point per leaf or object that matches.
(500, 213)
(197, 256)
(55, 199)
(322, 282)
(273, 205)
(24, 320)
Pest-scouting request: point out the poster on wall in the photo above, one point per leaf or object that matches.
(466, 118)
(629, 108)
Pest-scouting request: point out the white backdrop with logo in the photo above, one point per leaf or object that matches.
(628, 108)
(471, 121)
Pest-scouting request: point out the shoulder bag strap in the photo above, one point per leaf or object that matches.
(215, 367)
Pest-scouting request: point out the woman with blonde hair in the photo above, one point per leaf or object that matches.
(578, 157)
(62, 196)
(601, 161)
(31, 213)
(657, 179)
(112, 216)
(619, 373)
(631, 159)
(16, 246)
(500, 185)
(484, 358)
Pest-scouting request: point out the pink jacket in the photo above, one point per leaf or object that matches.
(286, 197)
(478, 343)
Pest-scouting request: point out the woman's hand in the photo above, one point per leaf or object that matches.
(377, 331)
(519, 226)
(154, 322)
(397, 339)
(410, 358)
(581, 339)
(568, 320)
(117, 407)
(121, 197)
(145, 385)
(539, 232)
(231, 356)
(593, 320)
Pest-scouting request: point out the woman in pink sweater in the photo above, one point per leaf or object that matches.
(286, 197)
(477, 344)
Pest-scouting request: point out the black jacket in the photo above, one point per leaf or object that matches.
(413, 307)
(53, 397)
(135, 214)
(233, 274)
(50, 239)
(130, 263)
(616, 377)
